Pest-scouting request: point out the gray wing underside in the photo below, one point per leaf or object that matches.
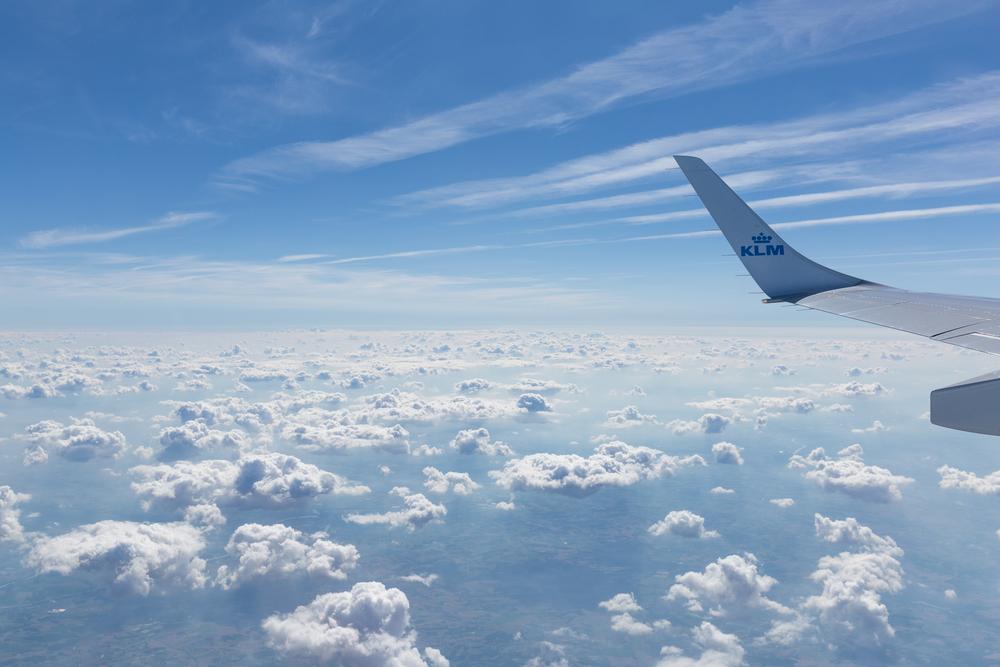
(968, 322)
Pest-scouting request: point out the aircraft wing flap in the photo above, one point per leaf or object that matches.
(896, 309)
(852, 299)
(976, 341)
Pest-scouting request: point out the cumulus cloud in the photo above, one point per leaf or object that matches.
(417, 512)
(731, 585)
(954, 478)
(401, 406)
(377, 420)
(683, 523)
(629, 625)
(758, 404)
(727, 452)
(849, 609)
(707, 423)
(366, 626)
(424, 579)
(138, 556)
(459, 483)
(12, 391)
(473, 386)
(628, 416)
(876, 427)
(268, 551)
(719, 649)
(477, 441)
(533, 403)
(621, 603)
(550, 655)
(319, 430)
(10, 514)
(544, 387)
(255, 480)
(81, 440)
(204, 515)
(782, 502)
(852, 389)
(720, 491)
(195, 436)
(612, 464)
(849, 474)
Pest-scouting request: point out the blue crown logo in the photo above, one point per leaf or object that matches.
(761, 238)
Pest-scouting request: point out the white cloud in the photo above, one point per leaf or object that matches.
(770, 404)
(418, 511)
(629, 625)
(59, 237)
(10, 514)
(550, 655)
(473, 386)
(720, 491)
(683, 523)
(459, 483)
(707, 423)
(477, 440)
(255, 480)
(628, 416)
(364, 627)
(269, 551)
(727, 452)
(876, 427)
(953, 478)
(81, 440)
(730, 585)
(611, 464)
(544, 387)
(424, 579)
(194, 436)
(849, 611)
(320, 430)
(139, 556)
(719, 649)
(204, 516)
(783, 503)
(621, 603)
(849, 474)
(533, 403)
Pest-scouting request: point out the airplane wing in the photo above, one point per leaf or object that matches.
(787, 276)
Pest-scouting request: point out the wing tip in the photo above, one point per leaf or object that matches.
(689, 162)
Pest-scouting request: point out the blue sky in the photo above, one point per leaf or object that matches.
(220, 165)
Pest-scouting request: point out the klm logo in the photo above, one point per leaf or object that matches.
(761, 247)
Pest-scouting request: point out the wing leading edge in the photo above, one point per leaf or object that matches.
(787, 276)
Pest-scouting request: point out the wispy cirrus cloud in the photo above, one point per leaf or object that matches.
(889, 190)
(61, 236)
(901, 215)
(294, 78)
(743, 43)
(946, 112)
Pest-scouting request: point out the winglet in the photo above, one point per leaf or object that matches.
(781, 272)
